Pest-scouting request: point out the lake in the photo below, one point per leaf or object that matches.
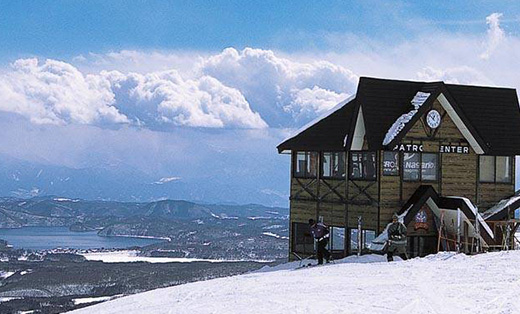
(44, 238)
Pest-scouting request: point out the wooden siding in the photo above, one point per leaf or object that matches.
(490, 193)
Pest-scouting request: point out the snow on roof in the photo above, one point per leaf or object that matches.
(474, 209)
(321, 117)
(500, 206)
(418, 100)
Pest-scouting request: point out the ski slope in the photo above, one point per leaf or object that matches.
(442, 283)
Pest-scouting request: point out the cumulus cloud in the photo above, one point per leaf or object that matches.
(167, 98)
(495, 35)
(252, 88)
(55, 92)
(281, 90)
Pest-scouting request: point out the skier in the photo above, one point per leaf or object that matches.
(320, 232)
(396, 240)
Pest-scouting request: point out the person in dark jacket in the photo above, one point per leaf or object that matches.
(396, 240)
(320, 232)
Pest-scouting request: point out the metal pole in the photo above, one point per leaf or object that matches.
(477, 233)
(458, 230)
(359, 236)
(508, 235)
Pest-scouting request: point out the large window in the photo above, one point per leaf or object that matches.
(363, 165)
(337, 239)
(495, 169)
(306, 164)
(302, 239)
(333, 165)
(420, 167)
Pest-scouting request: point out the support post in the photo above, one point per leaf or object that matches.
(477, 233)
(458, 229)
(508, 235)
(359, 236)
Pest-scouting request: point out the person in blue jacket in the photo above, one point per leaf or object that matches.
(321, 234)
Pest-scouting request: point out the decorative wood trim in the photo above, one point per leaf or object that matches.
(305, 187)
(332, 189)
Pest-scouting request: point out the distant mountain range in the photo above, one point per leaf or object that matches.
(119, 182)
(83, 214)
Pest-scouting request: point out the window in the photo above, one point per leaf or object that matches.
(333, 165)
(366, 238)
(306, 164)
(411, 166)
(302, 239)
(337, 241)
(420, 167)
(363, 166)
(503, 169)
(390, 163)
(495, 169)
(429, 167)
(487, 169)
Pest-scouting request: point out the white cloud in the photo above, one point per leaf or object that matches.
(252, 88)
(276, 87)
(495, 34)
(166, 98)
(313, 101)
(55, 92)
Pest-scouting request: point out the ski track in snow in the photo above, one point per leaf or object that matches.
(441, 283)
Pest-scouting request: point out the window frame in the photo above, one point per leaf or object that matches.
(306, 173)
(350, 165)
(330, 245)
(420, 179)
(331, 168)
(510, 163)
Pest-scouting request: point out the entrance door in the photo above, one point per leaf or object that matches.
(420, 246)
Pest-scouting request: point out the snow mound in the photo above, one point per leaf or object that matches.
(441, 283)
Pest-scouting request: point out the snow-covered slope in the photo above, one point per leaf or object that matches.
(442, 283)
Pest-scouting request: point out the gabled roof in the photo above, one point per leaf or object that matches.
(488, 117)
(425, 193)
(326, 133)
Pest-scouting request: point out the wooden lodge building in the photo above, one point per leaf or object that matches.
(429, 151)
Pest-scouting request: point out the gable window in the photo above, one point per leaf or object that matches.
(362, 165)
(495, 169)
(306, 164)
(420, 167)
(333, 165)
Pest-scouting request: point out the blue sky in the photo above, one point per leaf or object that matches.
(202, 91)
(62, 29)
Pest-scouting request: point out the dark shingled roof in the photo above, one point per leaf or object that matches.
(491, 114)
(328, 134)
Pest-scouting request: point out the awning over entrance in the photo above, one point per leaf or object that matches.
(451, 216)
